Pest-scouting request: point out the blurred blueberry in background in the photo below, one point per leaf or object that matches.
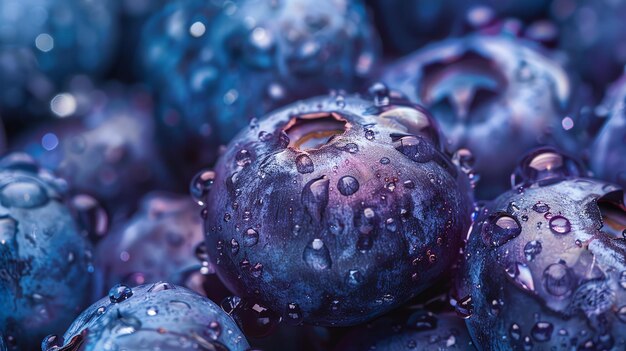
(43, 43)
(157, 243)
(594, 36)
(608, 152)
(103, 143)
(158, 316)
(494, 95)
(45, 264)
(216, 65)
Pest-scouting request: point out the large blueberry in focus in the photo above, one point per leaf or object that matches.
(157, 243)
(494, 95)
(108, 150)
(422, 330)
(45, 268)
(594, 36)
(159, 316)
(217, 67)
(608, 153)
(545, 264)
(335, 209)
(45, 42)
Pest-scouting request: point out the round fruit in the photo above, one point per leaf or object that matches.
(45, 268)
(158, 316)
(494, 95)
(608, 152)
(545, 264)
(335, 209)
(216, 65)
(109, 151)
(157, 243)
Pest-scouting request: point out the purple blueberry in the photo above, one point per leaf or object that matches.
(608, 153)
(494, 95)
(107, 150)
(157, 243)
(159, 316)
(216, 65)
(545, 263)
(335, 209)
(45, 269)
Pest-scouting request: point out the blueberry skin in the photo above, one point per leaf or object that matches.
(497, 96)
(50, 42)
(108, 151)
(609, 148)
(45, 268)
(545, 263)
(157, 243)
(214, 71)
(159, 316)
(423, 330)
(336, 209)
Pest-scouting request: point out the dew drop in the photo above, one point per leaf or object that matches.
(541, 207)
(558, 279)
(532, 249)
(464, 307)
(521, 276)
(499, 229)
(316, 255)
(560, 225)
(542, 331)
(354, 277)
(250, 237)
(515, 332)
(304, 164)
(243, 158)
(416, 148)
(380, 92)
(152, 311)
(23, 194)
(384, 161)
(315, 197)
(347, 185)
(119, 293)
(201, 185)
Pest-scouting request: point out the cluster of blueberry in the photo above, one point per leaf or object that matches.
(374, 175)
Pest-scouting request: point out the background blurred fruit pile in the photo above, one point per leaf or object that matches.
(312, 175)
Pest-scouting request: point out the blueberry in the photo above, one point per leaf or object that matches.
(544, 265)
(609, 147)
(157, 243)
(496, 96)
(422, 330)
(303, 215)
(409, 25)
(159, 316)
(593, 32)
(42, 51)
(216, 67)
(109, 152)
(45, 268)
